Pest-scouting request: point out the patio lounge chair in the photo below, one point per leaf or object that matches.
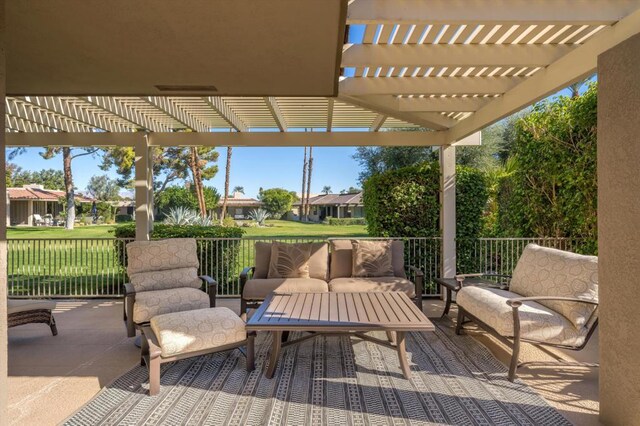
(31, 311)
(552, 300)
(37, 220)
(163, 279)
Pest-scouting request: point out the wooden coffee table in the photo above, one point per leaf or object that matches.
(338, 314)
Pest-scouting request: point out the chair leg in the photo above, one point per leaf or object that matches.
(52, 325)
(514, 359)
(243, 309)
(460, 320)
(251, 351)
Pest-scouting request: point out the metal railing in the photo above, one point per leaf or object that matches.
(94, 267)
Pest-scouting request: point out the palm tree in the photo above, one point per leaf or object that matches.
(226, 184)
(239, 189)
(326, 190)
(304, 182)
(306, 214)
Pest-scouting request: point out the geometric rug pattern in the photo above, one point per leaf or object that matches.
(329, 381)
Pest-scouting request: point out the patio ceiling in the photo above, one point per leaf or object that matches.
(449, 66)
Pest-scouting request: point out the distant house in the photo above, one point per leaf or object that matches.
(333, 205)
(32, 203)
(239, 206)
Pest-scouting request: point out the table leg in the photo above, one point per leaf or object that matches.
(447, 304)
(251, 350)
(402, 354)
(276, 344)
(391, 336)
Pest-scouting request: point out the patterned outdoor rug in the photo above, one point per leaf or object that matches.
(328, 380)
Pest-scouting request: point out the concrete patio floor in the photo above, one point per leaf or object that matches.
(51, 377)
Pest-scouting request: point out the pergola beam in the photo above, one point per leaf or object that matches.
(452, 55)
(223, 110)
(35, 114)
(377, 122)
(165, 105)
(121, 109)
(257, 139)
(274, 109)
(582, 12)
(362, 86)
(573, 67)
(438, 104)
(330, 105)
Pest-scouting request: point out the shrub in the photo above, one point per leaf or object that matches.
(345, 221)
(277, 201)
(214, 257)
(123, 218)
(177, 196)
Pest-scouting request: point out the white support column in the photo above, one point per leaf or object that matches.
(142, 189)
(4, 381)
(150, 199)
(30, 212)
(448, 210)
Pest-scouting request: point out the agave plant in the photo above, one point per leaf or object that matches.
(259, 215)
(180, 216)
(209, 220)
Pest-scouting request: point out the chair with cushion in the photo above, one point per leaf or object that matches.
(22, 311)
(163, 278)
(372, 265)
(552, 300)
(284, 268)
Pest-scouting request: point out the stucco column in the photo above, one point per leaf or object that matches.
(619, 232)
(29, 212)
(150, 184)
(142, 189)
(448, 210)
(4, 381)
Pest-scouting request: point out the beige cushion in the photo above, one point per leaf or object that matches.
(342, 258)
(537, 322)
(258, 289)
(165, 279)
(151, 303)
(24, 305)
(289, 260)
(365, 285)
(318, 261)
(372, 259)
(173, 253)
(543, 271)
(197, 330)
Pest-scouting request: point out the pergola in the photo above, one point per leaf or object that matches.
(243, 73)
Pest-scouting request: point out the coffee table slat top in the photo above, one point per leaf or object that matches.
(391, 311)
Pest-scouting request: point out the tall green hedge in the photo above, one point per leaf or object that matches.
(213, 256)
(552, 191)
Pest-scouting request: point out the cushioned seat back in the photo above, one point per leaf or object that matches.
(163, 264)
(543, 271)
(318, 261)
(342, 258)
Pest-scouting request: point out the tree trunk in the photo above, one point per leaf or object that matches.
(197, 180)
(304, 183)
(226, 184)
(68, 188)
(306, 215)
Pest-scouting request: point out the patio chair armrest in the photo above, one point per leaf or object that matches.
(418, 280)
(244, 276)
(129, 290)
(461, 277)
(210, 286)
(516, 302)
(129, 301)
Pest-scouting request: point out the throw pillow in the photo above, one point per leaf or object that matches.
(289, 260)
(372, 258)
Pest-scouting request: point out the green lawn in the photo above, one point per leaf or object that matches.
(91, 231)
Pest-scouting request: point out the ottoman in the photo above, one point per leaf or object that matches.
(22, 311)
(179, 335)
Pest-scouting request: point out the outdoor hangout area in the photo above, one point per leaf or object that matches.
(460, 249)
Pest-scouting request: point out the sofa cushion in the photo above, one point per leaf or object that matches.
(372, 258)
(318, 260)
(289, 260)
(165, 279)
(197, 330)
(537, 322)
(173, 253)
(258, 289)
(151, 303)
(364, 285)
(342, 258)
(543, 271)
(24, 305)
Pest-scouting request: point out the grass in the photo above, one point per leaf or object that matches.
(91, 231)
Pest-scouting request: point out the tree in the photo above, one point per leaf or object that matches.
(351, 190)
(379, 159)
(277, 201)
(310, 169)
(326, 190)
(49, 178)
(239, 189)
(103, 188)
(227, 175)
(305, 165)
(179, 196)
(68, 155)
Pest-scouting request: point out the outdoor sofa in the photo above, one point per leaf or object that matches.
(332, 267)
(552, 300)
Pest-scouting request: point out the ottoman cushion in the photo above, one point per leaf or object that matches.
(23, 305)
(197, 330)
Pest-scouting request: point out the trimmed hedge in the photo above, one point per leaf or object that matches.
(124, 218)
(345, 221)
(214, 257)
